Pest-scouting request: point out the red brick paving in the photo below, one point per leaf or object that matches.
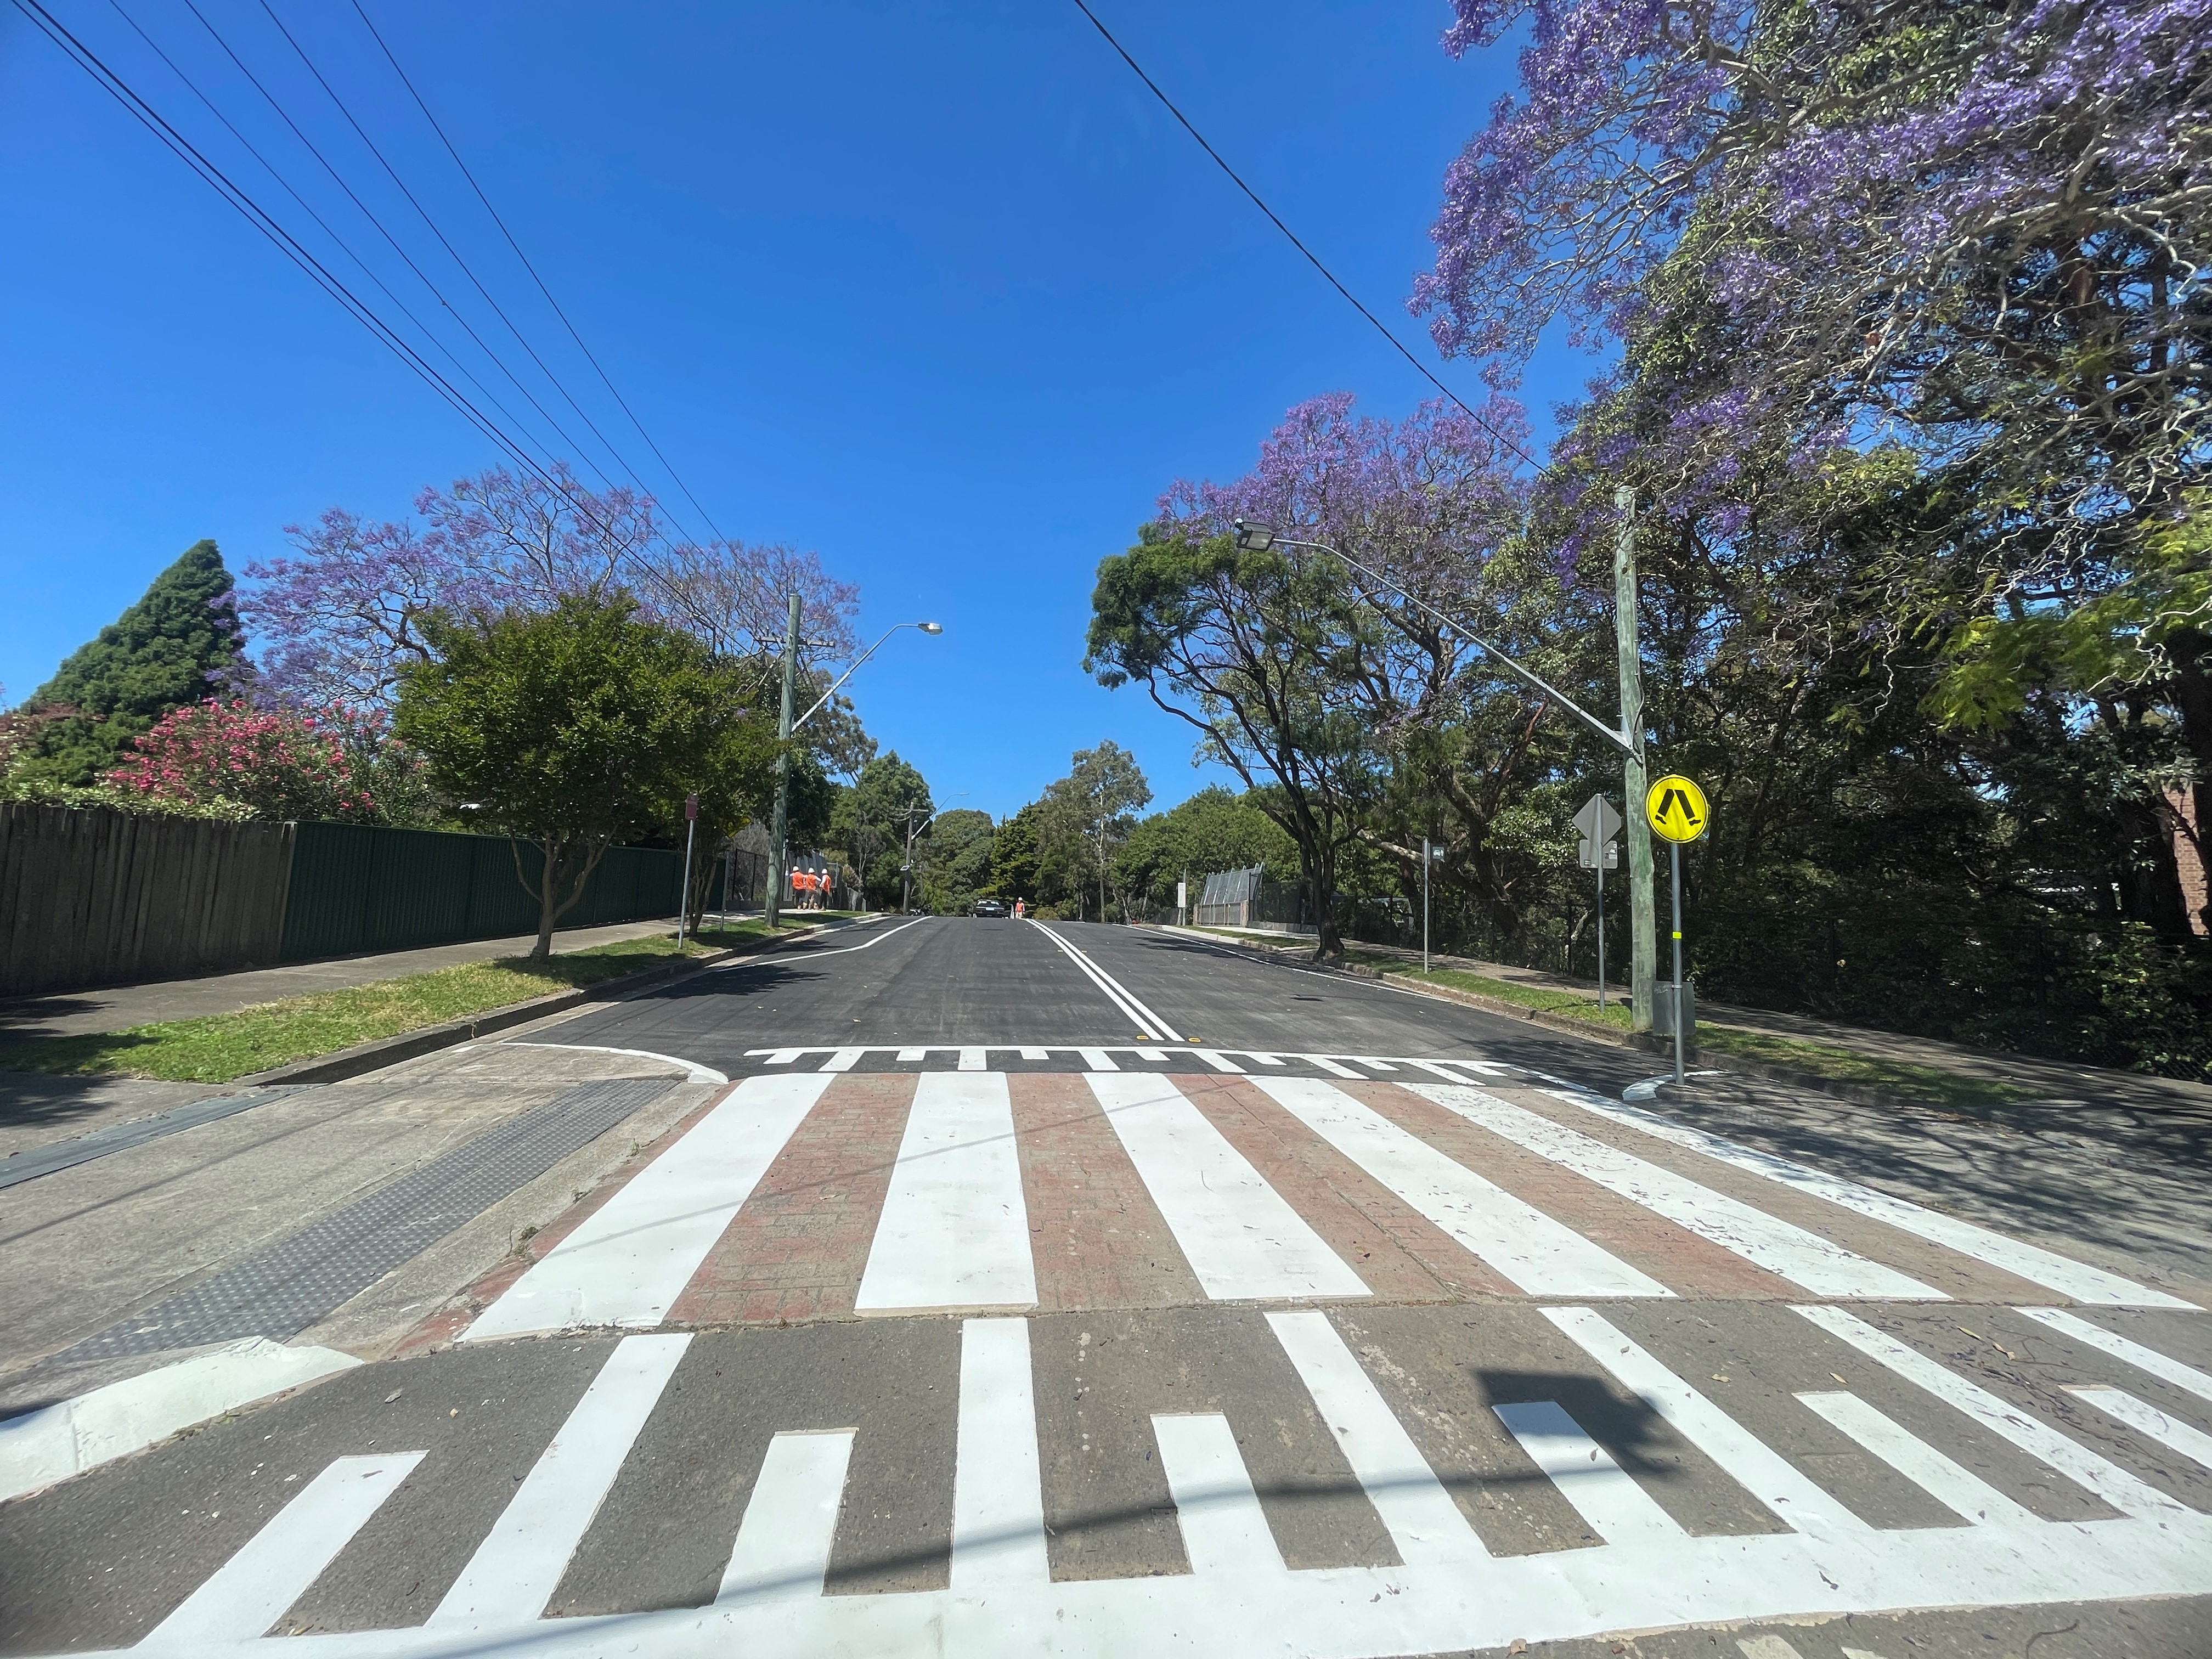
(797, 1248)
(1399, 1252)
(1685, 1263)
(1098, 1239)
(1959, 1277)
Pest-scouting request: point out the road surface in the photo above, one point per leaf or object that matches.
(985, 1287)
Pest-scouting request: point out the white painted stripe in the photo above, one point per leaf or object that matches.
(1238, 1234)
(1436, 1069)
(1097, 1060)
(1543, 1256)
(2168, 1431)
(783, 1056)
(844, 1059)
(1329, 1066)
(1959, 1490)
(1148, 1023)
(1265, 1059)
(1603, 1493)
(1114, 987)
(1821, 1265)
(1483, 1067)
(2142, 1359)
(2038, 1439)
(247, 1593)
(1220, 1062)
(1035, 1053)
(71, 1436)
(971, 1060)
(1225, 1531)
(782, 1550)
(1765, 1472)
(2067, 1277)
(518, 1565)
(1374, 1064)
(998, 1489)
(908, 1056)
(954, 1231)
(631, 1258)
(1156, 1056)
(1423, 1520)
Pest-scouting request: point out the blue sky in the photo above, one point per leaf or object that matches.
(936, 289)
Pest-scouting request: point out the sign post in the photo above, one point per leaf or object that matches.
(1675, 808)
(1599, 823)
(690, 829)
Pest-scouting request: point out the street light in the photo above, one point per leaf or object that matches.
(1259, 537)
(772, 900)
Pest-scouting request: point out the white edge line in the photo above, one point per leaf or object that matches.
(697, 1073)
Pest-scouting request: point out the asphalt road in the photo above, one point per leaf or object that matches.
(1046, 1288)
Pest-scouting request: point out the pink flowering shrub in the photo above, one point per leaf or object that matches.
(279, 763)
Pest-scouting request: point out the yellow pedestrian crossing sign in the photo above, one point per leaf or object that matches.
(1676, 808)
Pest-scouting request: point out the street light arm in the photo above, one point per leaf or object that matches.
(1618, 740)
(822, 701)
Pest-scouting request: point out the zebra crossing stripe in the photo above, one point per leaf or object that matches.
(1750, 1461)
(1789, 1252)
(2025, 1261)
(998, 1488)
(1966, 1494)
(2142, 1359)
(246, 1594)
(2109, 1482)
(954, 1230)
(627, 1262)
(1604, 1494)
(2148, 1421)
(1225, 1531)
(515, 1571)
(782, 1552)
(1240, 1236)
(1420, 1515)
(1543, 1256)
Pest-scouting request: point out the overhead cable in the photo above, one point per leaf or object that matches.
(1312, 259)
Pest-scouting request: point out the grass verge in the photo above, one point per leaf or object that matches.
(1930, 1085)
(222, 1047)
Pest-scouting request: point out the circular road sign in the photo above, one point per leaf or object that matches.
(1676, 808)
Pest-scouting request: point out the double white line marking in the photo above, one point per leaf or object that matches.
(1150, 1026)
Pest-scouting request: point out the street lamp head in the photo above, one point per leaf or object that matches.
(1253, 537)
(931, 627)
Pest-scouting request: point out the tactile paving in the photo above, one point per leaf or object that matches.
(284, 1288)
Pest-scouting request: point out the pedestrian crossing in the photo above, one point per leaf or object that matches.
(1903, 1478)
(835, 1192)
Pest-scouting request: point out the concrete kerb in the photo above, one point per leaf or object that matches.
(1857, 1093)
(365, 1057)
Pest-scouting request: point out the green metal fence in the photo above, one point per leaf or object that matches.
(357, 888)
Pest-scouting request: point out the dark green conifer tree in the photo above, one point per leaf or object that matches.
(180, 643)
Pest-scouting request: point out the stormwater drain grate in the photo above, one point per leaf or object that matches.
(286, 1287)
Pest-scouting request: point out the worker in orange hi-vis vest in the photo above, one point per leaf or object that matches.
(1021, 908)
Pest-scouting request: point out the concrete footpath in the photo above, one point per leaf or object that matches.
(121, 1007)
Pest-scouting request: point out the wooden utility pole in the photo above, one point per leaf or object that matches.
(772, 902)
(1643, 929)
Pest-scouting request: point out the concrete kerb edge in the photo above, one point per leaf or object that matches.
(1857, 1094)
(372, 1057)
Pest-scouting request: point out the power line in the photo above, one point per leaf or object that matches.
(424, 213)
(1312, 259)
(384, 231)
(588, 354)
(308, 208)
(120, 90)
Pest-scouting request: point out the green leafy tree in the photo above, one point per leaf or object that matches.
(1214, 829)
(956, 863)
(571, 728)
(1085, 818)
(1014, 871)
(180, 644)
(873, 818)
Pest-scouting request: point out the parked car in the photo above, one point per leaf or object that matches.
(998, 908)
